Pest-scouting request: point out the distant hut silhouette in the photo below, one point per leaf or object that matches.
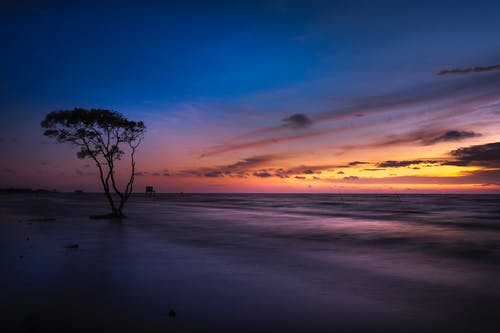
(150, 191)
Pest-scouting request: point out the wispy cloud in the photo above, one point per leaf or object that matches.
(431, 106)
(471, 70)
(240, 169)
(453, 135)
(261, 143)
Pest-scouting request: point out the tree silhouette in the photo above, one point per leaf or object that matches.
(100, 134)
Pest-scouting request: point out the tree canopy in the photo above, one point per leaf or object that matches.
(100, 135)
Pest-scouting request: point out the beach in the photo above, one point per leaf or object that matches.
(250, 263)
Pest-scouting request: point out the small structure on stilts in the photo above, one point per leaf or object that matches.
(150, 191)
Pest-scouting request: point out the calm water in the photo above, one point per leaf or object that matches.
(304, 263)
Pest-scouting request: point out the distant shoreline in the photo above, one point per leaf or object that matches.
(26, 190)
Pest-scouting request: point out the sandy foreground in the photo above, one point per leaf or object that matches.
(226, 269)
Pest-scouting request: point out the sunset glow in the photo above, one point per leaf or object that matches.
(269, 97)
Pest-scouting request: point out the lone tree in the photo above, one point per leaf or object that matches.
(101, 135)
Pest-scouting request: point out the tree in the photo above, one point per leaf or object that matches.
(100, 135)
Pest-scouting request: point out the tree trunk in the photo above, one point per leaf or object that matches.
(114, 211)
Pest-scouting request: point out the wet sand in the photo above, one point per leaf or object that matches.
(232, 264)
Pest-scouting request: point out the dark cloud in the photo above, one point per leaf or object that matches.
(487, 155)
(297, 121)
(471, 70)
(264, 174)
(155, 173)
(423, 137)
(214, 174)
(351, 178)
(281, 173)
(357, 163)
(374, 169)
(250, 162)
(139, 173)
(309, 169)
(454, 136)
(300, 177)
(403, 164)
(340, 172)
(166, 174)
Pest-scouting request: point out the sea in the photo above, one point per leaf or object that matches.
(250, 263)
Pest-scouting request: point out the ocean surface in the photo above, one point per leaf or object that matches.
(251, 263)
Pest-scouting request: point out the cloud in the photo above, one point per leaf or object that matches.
(258, 143)
(257, 166)
(423, 137)
(165, 174)
(486, 155)
(155, 173)
(357, 163)
(429, 105)
(297, 121)
(340, 172)
(214, 174)
(351, 178)
(471, 70)
(250, 162)
(240, 169)
(304, 170)
(264, 174)
(403, 164)
(139, 173)
(454, 135)
(300, 177)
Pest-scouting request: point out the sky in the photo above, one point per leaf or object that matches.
(260, 96)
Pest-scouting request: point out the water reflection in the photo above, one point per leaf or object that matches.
(253, 262)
